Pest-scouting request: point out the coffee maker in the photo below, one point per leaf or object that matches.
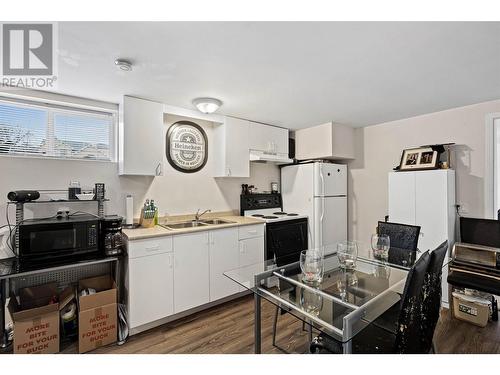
(111, 235)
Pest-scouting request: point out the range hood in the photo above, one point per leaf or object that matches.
(271, 157)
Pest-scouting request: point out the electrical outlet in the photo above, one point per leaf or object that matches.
(463, 209)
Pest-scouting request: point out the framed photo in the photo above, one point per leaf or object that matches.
(419, 159)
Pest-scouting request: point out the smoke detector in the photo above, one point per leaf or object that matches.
(123, 64)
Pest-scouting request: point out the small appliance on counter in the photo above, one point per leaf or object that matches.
(111, 235)
(55, 238)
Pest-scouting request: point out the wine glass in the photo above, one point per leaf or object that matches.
(381, 244)
(311, 264)
(347, 253)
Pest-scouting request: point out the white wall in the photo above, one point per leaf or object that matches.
(379, 149)
(175, 192)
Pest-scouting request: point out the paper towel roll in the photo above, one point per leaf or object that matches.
(129, 219)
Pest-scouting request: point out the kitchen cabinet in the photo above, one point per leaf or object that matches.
(150, 280)
(223, 257)
(251, 251)
(231, 148)
(191, 270)
(141, 140)
(427, 199)
(326, 141)
(267, 138)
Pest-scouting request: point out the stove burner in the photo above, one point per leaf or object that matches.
(270, 217)
(280, 213)
(258, 215)
(292, 214)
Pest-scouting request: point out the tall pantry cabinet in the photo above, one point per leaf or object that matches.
(427, 199)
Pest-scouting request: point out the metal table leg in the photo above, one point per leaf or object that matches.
(257, 323)
(3, 300)
(347, 347)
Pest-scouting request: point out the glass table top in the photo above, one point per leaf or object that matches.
(341, 304)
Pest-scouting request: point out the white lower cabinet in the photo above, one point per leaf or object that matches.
(150, 281)
(251, 251)
(191, 271)
(169, 275)
(223, 257)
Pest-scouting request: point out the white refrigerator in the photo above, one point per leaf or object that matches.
(318, 190)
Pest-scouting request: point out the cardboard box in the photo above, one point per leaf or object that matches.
(97, 321)
(36, 320)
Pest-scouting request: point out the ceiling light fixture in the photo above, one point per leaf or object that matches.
(207, 105)
(124, 65)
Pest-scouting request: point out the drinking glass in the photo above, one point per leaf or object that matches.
(347, 253)
(311, 302)
(381, 244)
(311, 264)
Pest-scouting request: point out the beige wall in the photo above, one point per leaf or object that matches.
(379, 150)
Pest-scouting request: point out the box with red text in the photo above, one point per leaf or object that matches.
(97, 320)
(36, 320)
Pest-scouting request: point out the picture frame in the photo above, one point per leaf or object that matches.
(415, 159)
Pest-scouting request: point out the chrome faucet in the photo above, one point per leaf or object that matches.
(197, 216)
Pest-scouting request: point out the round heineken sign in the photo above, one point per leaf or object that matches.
(187, 146)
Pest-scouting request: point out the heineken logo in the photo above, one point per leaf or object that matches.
(187, 148)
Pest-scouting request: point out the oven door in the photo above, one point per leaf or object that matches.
(285, 240)
(54, 240)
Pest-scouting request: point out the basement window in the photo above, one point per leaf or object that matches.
(55, 131)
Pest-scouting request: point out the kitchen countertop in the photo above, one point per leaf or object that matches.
(158, 231)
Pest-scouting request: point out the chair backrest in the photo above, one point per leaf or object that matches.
(402, 236)
(409, 322)
(404, 241)
(431, 299)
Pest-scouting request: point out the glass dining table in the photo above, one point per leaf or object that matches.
(342, 304)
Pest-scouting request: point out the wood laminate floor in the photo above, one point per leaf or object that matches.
(228, 328)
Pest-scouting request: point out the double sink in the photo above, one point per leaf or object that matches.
(196, 223)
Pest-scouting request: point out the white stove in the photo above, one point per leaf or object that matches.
(271, 215)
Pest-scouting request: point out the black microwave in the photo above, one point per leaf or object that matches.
(52, 239)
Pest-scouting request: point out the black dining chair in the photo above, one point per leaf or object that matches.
(404, 241)
(432, 293)
(431, 300)
(374, 339)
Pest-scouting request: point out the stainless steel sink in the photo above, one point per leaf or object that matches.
(184, 224)
(217, 222)
(194, 223)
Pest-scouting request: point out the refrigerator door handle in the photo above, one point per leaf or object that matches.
(320, 244)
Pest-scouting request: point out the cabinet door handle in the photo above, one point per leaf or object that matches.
(158, 169)
(170, 261)
(229, 171)
(242, 247)
(153, 248)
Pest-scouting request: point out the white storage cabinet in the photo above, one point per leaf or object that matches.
(427, 199)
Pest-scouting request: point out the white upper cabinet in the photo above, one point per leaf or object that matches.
(231, 148)
(326, 141)
(268, 138)
(141, 140)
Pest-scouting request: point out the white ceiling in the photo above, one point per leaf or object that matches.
(288, 74)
